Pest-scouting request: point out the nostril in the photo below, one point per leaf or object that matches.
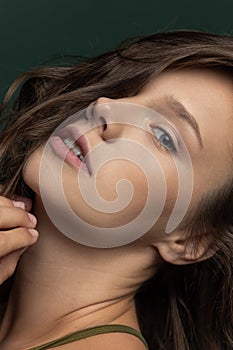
(103, 123)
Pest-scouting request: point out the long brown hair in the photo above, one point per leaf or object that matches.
(182, 307)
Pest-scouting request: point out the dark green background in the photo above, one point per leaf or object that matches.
(33, 31)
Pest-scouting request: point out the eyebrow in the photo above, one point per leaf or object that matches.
(181, 112)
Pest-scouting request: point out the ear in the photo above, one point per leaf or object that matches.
(178, 250)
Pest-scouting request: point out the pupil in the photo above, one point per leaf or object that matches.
(166, 140)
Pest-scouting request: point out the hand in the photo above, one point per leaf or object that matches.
(17, 233)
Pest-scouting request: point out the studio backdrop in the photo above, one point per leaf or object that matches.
(35, 32)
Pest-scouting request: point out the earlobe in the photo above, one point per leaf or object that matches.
(181, 251)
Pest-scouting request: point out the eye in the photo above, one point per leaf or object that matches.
(164, 139)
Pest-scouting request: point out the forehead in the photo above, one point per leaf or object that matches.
(198, 88)
(206, 94)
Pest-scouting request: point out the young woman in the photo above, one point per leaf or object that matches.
(172, 291)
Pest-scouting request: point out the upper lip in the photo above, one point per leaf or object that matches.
(72, 132)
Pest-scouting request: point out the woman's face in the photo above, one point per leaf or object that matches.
(138, 145)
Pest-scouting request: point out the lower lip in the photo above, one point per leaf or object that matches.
(66, 154)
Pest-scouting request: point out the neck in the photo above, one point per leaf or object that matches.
(61, 286)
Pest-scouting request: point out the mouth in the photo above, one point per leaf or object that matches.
(72, 146)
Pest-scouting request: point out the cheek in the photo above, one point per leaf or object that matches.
(118, 193)
(31, 171)
(118, 177)
(121, 185)
(172, 186)
(114, 196)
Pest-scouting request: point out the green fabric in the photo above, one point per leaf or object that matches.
(90, 332)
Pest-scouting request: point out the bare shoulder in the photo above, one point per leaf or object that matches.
(106, 341)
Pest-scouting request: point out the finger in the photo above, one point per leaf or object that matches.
(18, 204)
(19, 201)
(5, 202)
(16, 239)
(8, 264)
(16, 217)
(27, 202)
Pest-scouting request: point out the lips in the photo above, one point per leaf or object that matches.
(71, 132)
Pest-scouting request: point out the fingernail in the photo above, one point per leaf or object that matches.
(27, 201)
(33, 232)
(18, 204)
(32, 218)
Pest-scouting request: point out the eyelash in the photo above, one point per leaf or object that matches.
(172, 149)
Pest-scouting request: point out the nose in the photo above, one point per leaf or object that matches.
(102, 100)
(118, 118)
(107, 115)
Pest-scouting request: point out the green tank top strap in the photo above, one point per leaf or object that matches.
(85, 333)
